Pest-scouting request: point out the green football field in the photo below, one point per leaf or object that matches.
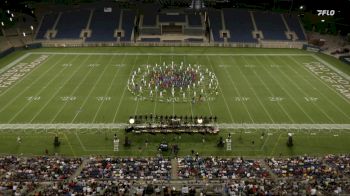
(82, 95)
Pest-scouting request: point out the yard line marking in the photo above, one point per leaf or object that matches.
(229, 111)
(75, 88)
(122, 97)
(8, 66)
(190, 92)
(269, 90)
(41, 90)
(338, 71)
(25, 89)
(274, 147)
(305, 94)
(172, 60)
(286, 91)
(92, 89)
(311, 85)
(138, 100)
(323, 82)
(108, 91)
(239, 94)
(252, 90)
(155, 103)
(206, 94)
(69, 144)
(121, 126)
(54, 95)
(169, 54)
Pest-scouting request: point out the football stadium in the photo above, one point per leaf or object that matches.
(174, 97)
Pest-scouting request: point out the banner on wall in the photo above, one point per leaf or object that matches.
(345, 59)
(311, 48)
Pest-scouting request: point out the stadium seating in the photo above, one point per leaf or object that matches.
(240, 25)
(166, 18)
(149, 20)
(303, 175)
(128, 25)
(194, 20)
(215, 23)
(47, 23)
(150, 39)
(295, 25)
(271, 24)
(71, 24)
(103, 25)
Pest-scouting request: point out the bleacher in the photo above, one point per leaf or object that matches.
(71, 24)
(234, 26)
(150, 39)
(194, 20)
(149, 20)
(103, 24)
(215, 24)
(271, 24)
(172, 18)
(128, 25)
(295, 25)
(47, 23)
(240, 25)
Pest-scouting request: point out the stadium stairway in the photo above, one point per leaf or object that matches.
(79, 169)
(174, 169)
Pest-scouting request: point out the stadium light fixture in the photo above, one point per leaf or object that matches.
(323, 20)
(31, 27)
(8, 11)
(12, 15)
(301, 7)
(11, 19)
(2, 23)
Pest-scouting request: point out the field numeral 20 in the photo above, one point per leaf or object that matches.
(68, 98)
(103, 98)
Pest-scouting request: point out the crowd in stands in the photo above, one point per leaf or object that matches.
(37, 168)
(156, 168)
(302, 175)
(219, 168)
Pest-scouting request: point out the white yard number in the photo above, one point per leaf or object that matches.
(274, 66)
(241, 98)
(311, 99)
(276, 99)
(68, 98)
(223, 66)
(94, 65)
(33, 98)
(103, 98)
(119, 65)
(67, 65)
(250, 66)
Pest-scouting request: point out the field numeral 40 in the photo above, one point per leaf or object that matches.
(276, 99)
(103, 98)
(311, 99)
(68, 98)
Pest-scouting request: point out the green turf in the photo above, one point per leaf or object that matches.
(253, 89)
